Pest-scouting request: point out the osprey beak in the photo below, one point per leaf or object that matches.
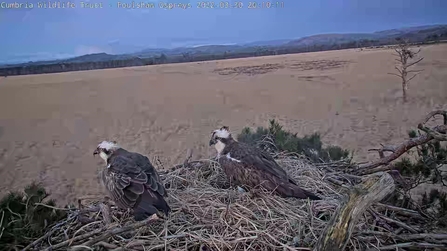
(212, 142)
(96, 152)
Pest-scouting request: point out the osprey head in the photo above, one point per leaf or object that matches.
(105, 149)
(220, 137)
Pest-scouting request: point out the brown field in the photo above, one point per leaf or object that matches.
(50, 124)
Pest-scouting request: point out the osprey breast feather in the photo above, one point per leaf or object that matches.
(132, 181)
(249, 167)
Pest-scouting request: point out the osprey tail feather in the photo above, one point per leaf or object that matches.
(148, 205)
(311, 195)
(292, 190)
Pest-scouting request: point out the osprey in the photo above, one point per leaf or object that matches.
(132, 181)
(250, 167)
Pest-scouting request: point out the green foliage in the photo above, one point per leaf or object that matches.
(310, 145)
(426, 168)
(21, 220)
(430, 156)
(412, 134)
(437, 202)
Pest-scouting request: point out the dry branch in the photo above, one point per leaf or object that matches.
(120, 230)
(400, 224)
(432, 114)
(438, 132)
(403, 211)
(399, 246)
(361, 197)
(407, 237)
(106, 233)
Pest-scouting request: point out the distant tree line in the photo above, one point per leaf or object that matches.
(255, 52)
(69, 66)
(436, 37)
(201, 56)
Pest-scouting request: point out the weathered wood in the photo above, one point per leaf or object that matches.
(438, 132)
(375, 166)
(338, 232)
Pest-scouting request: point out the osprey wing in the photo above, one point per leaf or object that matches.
(253, 168)
(155, 182)
(132, 187)
(125, 181)
(257, 158)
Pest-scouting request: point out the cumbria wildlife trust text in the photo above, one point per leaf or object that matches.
(91, 5)
(50, 5)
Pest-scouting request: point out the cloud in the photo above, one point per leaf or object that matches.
(44, 56)
(38, 56)
(85, 49)
(113, 42)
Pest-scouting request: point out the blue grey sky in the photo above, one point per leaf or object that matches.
(41, 34)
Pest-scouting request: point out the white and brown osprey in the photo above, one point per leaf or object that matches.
(132, 181)
(250, 167)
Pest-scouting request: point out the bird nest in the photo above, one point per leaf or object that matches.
(208, 214)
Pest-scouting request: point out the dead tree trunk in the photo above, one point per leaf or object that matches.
(337, 234)
(404, 54)
(404, 86)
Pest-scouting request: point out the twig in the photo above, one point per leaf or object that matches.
(432, 114)
(438, 132)
(400, 224)
(406, 237)
(77, 238)
(188, 158)
(115, 231)
(55, 208)
(105, 213)
(402, 211)
(43, 237)
(384, 149)
(421, 245)
(435, 132)
(1, 224)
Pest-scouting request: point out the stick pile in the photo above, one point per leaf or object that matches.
(209, 215)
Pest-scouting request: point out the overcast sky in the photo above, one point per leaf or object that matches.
(39, 34)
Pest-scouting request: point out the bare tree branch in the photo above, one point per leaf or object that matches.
(415, 62)
(400, 72)
(431, 115)
(383, 149)
(395, 74)
(415, 71)
(412, 77)
(432, 132)
(383, 164)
